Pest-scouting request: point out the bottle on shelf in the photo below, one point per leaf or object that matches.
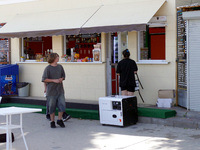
(72, 54)
(27, 56)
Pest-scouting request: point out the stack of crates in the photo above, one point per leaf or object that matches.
(9, 77)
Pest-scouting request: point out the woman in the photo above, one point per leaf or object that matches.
(126, 69)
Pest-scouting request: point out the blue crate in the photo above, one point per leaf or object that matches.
(9, 77)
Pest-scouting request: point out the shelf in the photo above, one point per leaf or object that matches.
(33, 41)
(86, 43)
(10, 127)
(59, 62)
(88, 48)
(4, 62)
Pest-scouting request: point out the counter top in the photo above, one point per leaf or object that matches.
(34, 62)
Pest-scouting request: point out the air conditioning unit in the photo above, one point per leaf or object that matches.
(158, 19)
(118, 110)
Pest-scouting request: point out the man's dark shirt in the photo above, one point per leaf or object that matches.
(126, 69)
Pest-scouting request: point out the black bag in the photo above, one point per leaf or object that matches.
(3, 137)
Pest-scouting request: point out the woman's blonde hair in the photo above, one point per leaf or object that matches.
(52, 57)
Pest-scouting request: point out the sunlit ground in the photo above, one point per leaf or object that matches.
(91, 135)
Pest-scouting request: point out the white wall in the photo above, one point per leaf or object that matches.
(83, 81)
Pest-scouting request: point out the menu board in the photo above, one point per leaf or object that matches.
(181, 51)
(4, 49)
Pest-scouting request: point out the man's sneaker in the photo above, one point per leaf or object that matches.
(66, 117)
(53, 125)
(48, 117)
(60, 123)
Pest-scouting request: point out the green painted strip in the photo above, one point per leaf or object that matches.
(94, 114)
(75, 113)
(156, 113)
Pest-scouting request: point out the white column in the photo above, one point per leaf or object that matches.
(103, 47)
(108, 64)
(64, 44)
(119, 52)
(22, 52)
(57, 44)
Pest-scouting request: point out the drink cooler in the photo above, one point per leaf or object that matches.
(9, 76)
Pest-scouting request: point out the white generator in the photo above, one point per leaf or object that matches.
(118, 110)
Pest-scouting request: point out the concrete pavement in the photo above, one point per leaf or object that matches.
(91, 135)
(183, 119)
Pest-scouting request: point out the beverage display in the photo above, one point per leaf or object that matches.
(83, 46)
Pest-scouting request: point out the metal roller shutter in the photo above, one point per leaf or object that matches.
(194, 64)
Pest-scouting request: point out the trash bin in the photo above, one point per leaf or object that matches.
(23, 88)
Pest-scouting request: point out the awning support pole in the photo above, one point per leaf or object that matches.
(22, 47)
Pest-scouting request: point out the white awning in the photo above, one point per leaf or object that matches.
(63, 22)
(111, 16)
(127, 16)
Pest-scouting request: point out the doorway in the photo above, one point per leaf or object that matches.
(117, 42)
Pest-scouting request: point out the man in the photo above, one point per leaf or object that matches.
(126, 69)
(53, 76)
(65, 116)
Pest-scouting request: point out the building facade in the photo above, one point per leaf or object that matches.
(151, 41)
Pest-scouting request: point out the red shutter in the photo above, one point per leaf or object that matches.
(157, 43)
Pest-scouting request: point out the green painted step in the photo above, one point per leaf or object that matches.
(75, 113)
(94, 114)
(156, 113)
